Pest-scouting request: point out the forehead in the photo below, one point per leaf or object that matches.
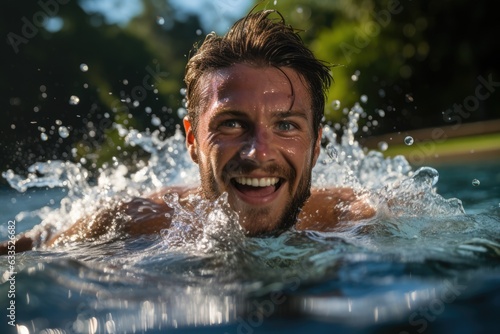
(248, 86)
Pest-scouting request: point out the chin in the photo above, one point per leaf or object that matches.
(263, 224)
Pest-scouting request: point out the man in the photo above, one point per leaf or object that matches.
(255, 100)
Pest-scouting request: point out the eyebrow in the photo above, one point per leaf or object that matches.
(228, 112)
(275, 114)
(290, 113)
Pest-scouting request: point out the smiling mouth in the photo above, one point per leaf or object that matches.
(257, 187)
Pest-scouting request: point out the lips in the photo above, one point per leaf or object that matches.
(257, 190)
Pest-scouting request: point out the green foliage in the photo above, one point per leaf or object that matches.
(134, 78)
(414, 59)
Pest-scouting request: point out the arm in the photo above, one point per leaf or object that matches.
(23, 243)
(326, 208)
(138, 216)
(133, 218)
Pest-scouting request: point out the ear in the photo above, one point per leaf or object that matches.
(190, 139)
(317, 146)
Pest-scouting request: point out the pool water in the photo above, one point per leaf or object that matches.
(428, 262)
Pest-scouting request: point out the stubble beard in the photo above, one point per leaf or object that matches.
(254, 221)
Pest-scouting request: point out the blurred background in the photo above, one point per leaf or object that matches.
(74, 71)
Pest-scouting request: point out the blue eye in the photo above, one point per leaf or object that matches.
(286, 126)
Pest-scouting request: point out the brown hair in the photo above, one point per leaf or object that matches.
(260, 40)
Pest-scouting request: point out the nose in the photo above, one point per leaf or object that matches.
(259, 147)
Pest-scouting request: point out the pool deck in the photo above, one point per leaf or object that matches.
(468, 142)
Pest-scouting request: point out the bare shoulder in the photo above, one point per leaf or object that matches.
(114, 219)
(137, 216)
(326, 208)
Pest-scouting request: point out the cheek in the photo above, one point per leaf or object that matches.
(212, 155)
(299, 153)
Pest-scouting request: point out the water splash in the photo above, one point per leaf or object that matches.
(204, 265)
(219, 230)
(50, 174)
(389, 183)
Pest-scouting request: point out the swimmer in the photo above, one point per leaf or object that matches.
(255, 100)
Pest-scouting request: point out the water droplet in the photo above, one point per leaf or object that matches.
(331, 151)
(43, 136)
(383, 146)
(160, 20)
(155, 120)
(409, 98)
(363, 98)
(381, 113)
(74, 100)
(355, 76)
(198, 32)
(336, 104)
(63, 131)
(84, 67)
(475, 182)
(181, 112)
(409, 140)
(426, 174)
(183, 91)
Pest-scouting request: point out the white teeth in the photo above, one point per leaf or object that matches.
(257, 182)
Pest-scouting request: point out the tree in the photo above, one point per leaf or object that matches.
(409, 60)
(64, 90)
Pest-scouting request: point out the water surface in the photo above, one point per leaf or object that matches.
(428, 262)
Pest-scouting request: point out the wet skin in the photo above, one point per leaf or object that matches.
(255, 141)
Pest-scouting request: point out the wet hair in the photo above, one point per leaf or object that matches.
(257, 40)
